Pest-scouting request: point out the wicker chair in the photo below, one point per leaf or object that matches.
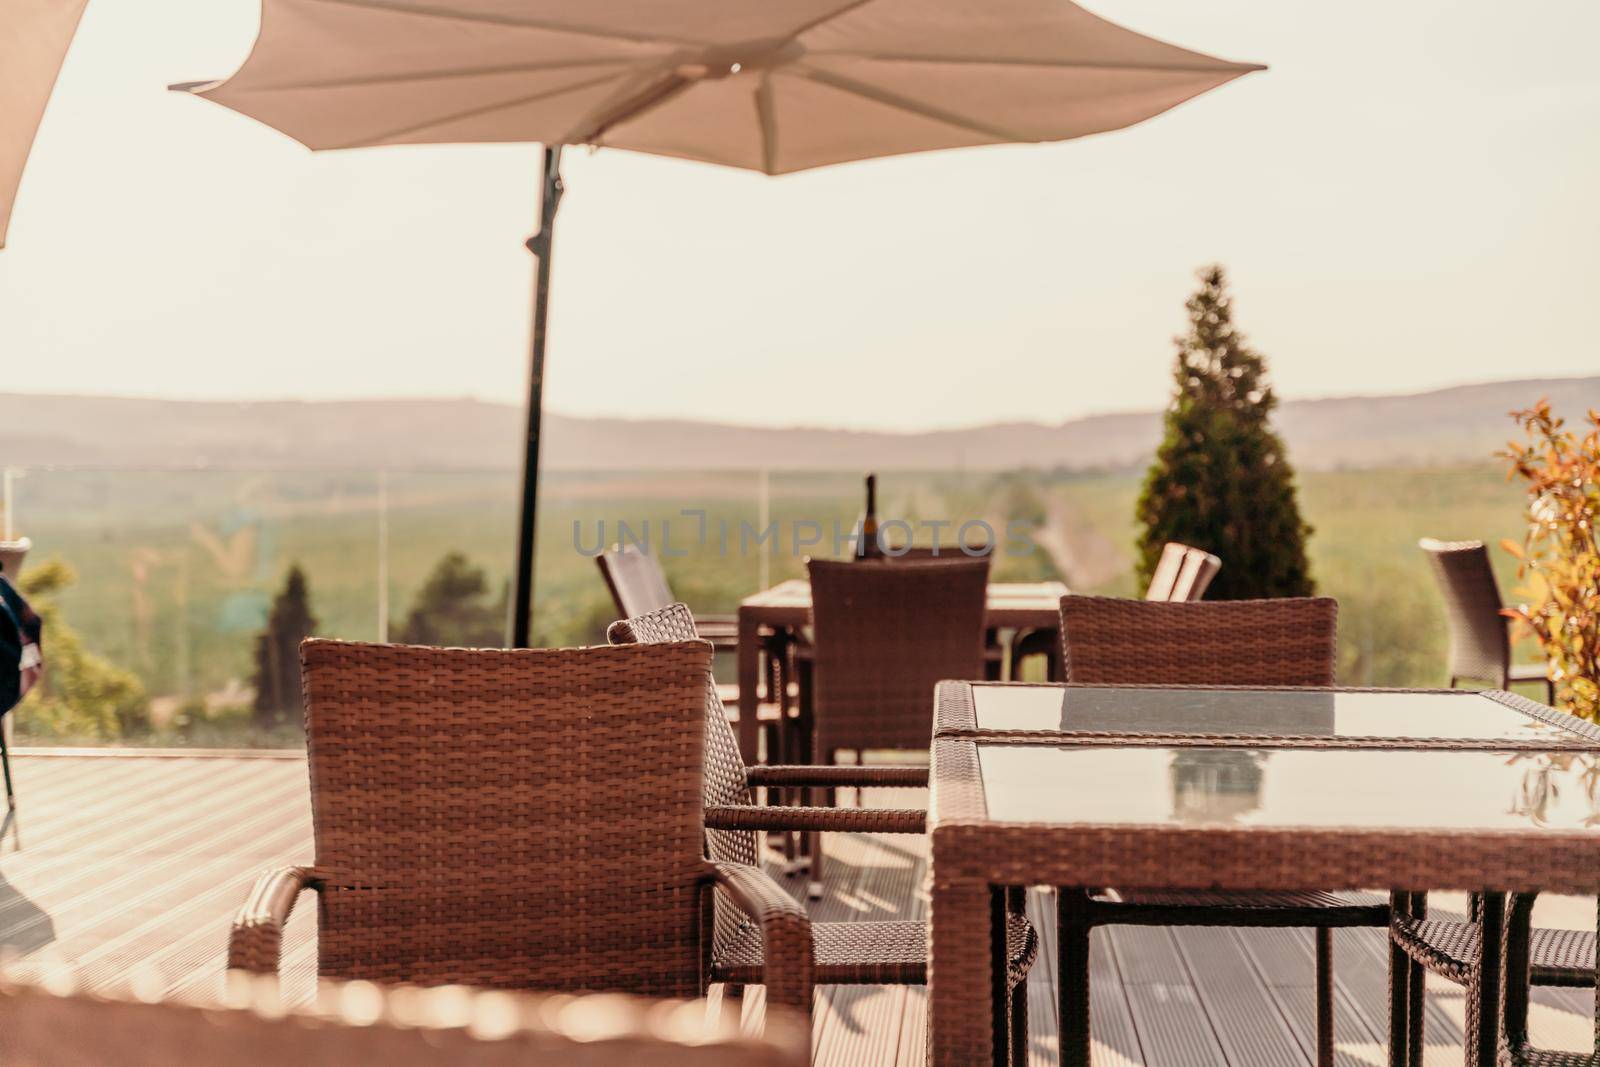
(884, 634)
(360, 1023)
(994, 653)
(1541, 957)
(1182, 574)
(1468, 953)
(1288, 642)
(1480, 637)
(848, 952)
(526, 819)
(637, 585)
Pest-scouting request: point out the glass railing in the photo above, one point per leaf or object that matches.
(159, 586)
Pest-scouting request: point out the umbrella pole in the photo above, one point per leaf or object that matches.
(540, 245)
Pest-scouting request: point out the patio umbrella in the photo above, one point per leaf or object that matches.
(33, 42)
(774, 87)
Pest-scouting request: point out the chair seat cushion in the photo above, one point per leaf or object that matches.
(1199, 907)
(1557, 957)
(869, 953)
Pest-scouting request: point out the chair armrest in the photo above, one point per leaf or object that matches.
(848, 820)
(257, 935)
(787, 954)
(796, 774)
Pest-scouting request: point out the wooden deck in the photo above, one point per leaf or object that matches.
(123, 869)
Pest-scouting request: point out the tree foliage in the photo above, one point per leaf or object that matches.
(277, 679)
(453, 610)
(1221, 479)
(80, 695)
(1559, 559)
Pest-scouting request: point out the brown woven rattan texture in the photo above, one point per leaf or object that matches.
(1495, 955)
(514, 819)
(359, 1023)
(844, 953)
(1290, 641)
(955, 715)
(885, 635)
(1537, 957)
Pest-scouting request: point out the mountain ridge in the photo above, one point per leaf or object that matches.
(1446, 426)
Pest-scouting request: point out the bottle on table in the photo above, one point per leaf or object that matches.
(867, 546)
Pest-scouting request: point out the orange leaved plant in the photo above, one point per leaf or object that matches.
(1559, 559)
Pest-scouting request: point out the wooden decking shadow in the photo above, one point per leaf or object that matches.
(24, 926)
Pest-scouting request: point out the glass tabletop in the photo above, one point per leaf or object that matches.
(1292, 788)
(1305, 713)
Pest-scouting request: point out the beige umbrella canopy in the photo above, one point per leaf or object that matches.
(34, 35)
(774, 86)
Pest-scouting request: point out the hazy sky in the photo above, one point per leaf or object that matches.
(1410, 197)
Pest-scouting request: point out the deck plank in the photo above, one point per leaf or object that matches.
(127, 869)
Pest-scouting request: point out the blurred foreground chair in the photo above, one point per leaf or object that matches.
(1287, 642)
(1480, 637)
(872, 953)
(527, 819)
(638, 585)
(356, 1023)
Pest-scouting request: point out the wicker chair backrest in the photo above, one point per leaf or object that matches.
(1480, 642)
(885, 635)
(1290, 641)
(523, 819)
(635, 578)
(725, 780)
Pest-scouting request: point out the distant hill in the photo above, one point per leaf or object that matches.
(1456, 425)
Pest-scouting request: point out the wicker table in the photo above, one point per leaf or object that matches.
(787, 606)
(1407, 791)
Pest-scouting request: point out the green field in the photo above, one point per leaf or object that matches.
(176, 568)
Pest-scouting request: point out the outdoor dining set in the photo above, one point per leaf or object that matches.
(554, 834)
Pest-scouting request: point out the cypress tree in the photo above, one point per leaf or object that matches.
(1221, 479)
(453, 610)
(278, 695)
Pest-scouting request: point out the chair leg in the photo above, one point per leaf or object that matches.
(1416, 992)
(1324, 996)
(1399, 991)
(1483, 991)
(1019, 1024)
(1072, 977)
(1017, 904)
